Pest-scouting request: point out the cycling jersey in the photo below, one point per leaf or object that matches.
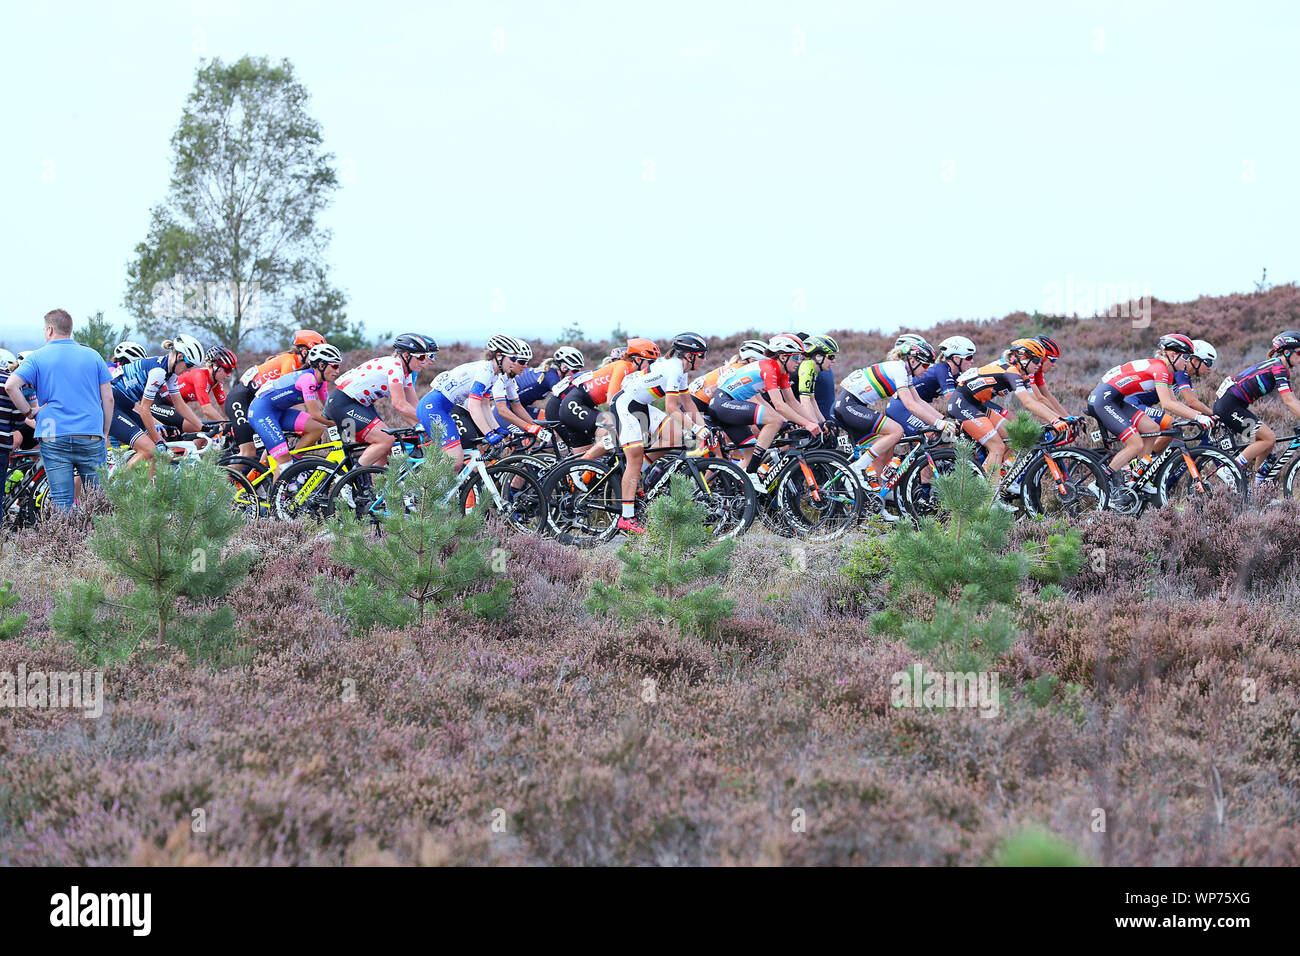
(472, 380)
(981, 385)
(748, 380)
(1260, 380)
(805, 378)
(935, 381)
(534, 384)
(371, 381)
(605, 381)
(702, 388)
(282, 364)
(1181, 381)
(198, 386)
(877, 381)
(290, 390)
(665, 376)
(143, 380)
(1142, 375)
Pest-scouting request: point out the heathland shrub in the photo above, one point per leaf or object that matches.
(662, 571)
(11, 625)
(166, 535)
(425, 555)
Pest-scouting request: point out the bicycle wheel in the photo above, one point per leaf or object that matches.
(357, 494)
(1290, 481)
(819, 495)
(917, 496)
(1081, 487)
(583, 501)
(246, 501)
(302, 489)
(517, 502)
(1217, 475)
(724, 490)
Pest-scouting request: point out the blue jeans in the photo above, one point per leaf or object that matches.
(65, 457)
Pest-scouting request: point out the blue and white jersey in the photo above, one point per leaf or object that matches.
(533, 384)
(473, 379)
(142, 381)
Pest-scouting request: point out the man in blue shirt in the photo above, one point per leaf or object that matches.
(75, 407)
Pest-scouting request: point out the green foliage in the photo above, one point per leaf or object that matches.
(236, 247)
(868, 562)
(572, 333)
(166, 536)
(11, 625)
(1051, 592)
(1059, 560)
(1035, 846)
(425, 555)
(324, 308)
(965, 636)
(662, 570)
(98, 333)
(1023, 433)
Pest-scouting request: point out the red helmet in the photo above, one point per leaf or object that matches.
(1174, 342)
(1053, 350)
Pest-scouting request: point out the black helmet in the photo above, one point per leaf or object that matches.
(412, 342)
(1286, 342)
(690, 342)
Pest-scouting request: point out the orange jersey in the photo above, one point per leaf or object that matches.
(604, 381)
(704, 386)
(271, 369)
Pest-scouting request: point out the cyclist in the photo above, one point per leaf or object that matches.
(666, 378)
(124, 354)
(890, 379)
(351, 403)
(461, 399)
(274, 409)
(198, 388)
(590, 390)
(1237, 394)
(736, 408)
(702, 388)
(1112, 400)
(510, 413)
(135, 389)
(971, 402)
(1039, 384)
(241, 395)
(536, 384)
(814, 382)
(937, 381)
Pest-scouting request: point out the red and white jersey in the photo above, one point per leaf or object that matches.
(665, 376)
(373, 380)
(1140, 376)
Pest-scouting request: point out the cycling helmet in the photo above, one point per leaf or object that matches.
(641, 348)
(128, 352)
(569, 357)
(753, 349)
(410, 342)
(616, 354)
(1175, 343)
(505, 344)
(189, 348)
(1028, 349)
(324, 354)
(221, 357)
(1282, 342)
(914, 347)
(690, 342)
(787, 343)
(1053, 350)
(821, 345)
(7, 359)
(306, 338)
(525, 352)
(1204, 351)
(957, 346)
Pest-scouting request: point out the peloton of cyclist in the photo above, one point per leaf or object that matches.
(585, 393)
(135, 389)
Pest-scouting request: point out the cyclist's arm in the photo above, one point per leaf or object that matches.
(188, 418)
(912, 402)
(479, 407)
(684, 412)
(783, 401)
(1165, 395)
(808, 404)
(505, 411)
(404, 403)
(1048, 399)
(1188, 394)
(1291, 402)
(1040, 410)
(144, 408)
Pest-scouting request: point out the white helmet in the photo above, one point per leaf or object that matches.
(507, 345)
(525, 352)
(570, 357)
(957, 346)
(753, 349)
(129, 352)
(329, 354)
(787, 343)
(1204, 351)
(189, 348)
(7, 359)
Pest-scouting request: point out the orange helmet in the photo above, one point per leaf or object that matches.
(1029, 348)
(641, 348)
(306, 338)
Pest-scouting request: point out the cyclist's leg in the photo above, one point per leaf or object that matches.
(980, 426)
(631, 437)
(265, 420)
(237, 401)
(435, 415)
(1121, 420)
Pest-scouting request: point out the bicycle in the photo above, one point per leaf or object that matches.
(1283, 468)
(807, 489)
(26, 499)
(1181, 473)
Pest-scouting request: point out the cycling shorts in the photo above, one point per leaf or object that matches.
(127, 426)
(1237, 416)
(436, 412)
(736, 417)
(237, 401)
(978, 421)
(1116, 415)
(351, 415)
(631, 420)
(576, 414)
(271, 424)
(859, 419)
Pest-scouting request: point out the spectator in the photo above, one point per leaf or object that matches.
(75, 407)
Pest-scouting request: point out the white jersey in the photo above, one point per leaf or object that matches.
(665, 376)
(505, 389)
(373, 380)
(878, 381)
(477, 379)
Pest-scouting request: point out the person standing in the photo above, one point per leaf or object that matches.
(75, 407)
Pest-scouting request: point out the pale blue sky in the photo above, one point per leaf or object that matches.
(676, 165)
